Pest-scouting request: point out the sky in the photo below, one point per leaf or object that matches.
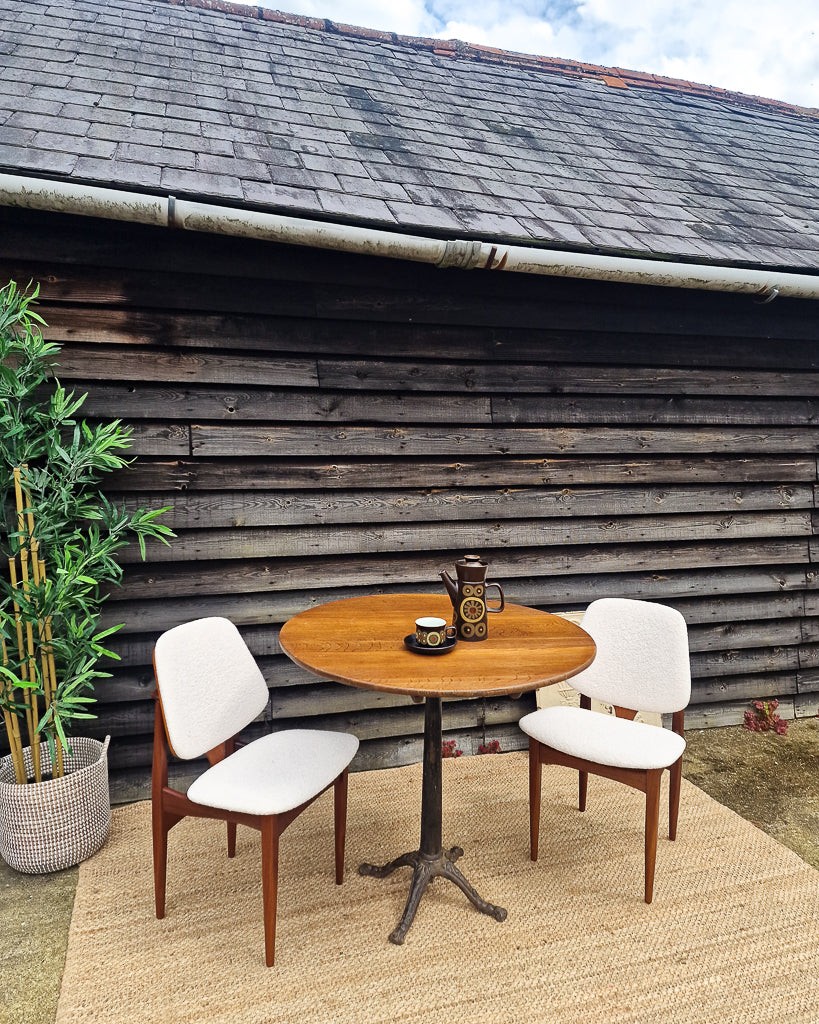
(759, 47)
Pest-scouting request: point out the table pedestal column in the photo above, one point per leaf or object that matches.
(431, 860)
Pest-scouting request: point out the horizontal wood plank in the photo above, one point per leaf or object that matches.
(675, 409)
(274, 440)
(156, 438)
(548, 378)
(390, 538)
(250, 508)
(806, 705)
(141, 401)
(116, 286)
(529, 346)
(736, 661)
(746, 688)
(721, 598)
(226, 474)
(732, 712)
(772, 633)
(97, 362)
(477, 302)
(266, 574)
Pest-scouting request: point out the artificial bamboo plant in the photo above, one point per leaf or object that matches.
(60, 534)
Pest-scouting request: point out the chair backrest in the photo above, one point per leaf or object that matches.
(642, 659)
(209, 684)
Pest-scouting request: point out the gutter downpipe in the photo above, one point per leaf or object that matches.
(167, 211)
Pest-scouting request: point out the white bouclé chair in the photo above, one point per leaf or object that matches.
(642, 664)
(210, 688)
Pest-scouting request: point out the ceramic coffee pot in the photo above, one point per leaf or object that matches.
(468, 597)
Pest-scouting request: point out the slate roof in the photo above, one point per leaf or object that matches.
(245, 106)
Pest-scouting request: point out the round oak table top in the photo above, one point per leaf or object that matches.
(360, 641)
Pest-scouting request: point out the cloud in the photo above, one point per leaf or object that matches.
(527, 35)
(747, 45)
(752, 46)
(407, 17)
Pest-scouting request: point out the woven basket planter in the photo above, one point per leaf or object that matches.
(47, 826)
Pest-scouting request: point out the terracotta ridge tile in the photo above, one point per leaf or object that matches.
(620, 78)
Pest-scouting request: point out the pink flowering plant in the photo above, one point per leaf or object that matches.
(762, 716)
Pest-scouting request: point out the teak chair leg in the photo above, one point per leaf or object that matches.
(270, 884)
(652, 824)
(231, 838)
(583, 781)
(160, 850)
(674, 798)
(160, 825)
(340, 822)
(535, 777)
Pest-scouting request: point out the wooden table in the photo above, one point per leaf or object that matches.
(360, 642)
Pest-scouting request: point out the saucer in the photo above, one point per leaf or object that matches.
(413, 645)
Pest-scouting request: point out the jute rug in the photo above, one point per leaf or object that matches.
(731, 937)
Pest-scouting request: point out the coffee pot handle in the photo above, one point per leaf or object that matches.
(500, 594)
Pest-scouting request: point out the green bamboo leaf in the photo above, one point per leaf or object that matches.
(59, 727)
(107, 632)
(16, 680)
(80, 530)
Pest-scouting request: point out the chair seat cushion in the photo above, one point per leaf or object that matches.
(275, 773)
(603, 738)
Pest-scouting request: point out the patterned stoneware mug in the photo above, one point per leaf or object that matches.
(432, 632)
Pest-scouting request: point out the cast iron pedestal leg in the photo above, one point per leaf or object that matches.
(431, 860)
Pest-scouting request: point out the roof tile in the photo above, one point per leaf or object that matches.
(246, 170)
(199, 182)
(300, 114)
(17, 136)
(281, 197)
(179, 140)
(356, 207)
(492, 224)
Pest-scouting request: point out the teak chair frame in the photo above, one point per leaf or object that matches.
(645, 780)
(169, 806)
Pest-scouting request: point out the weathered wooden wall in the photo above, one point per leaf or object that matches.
(327, 425)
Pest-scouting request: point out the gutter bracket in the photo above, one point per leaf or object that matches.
(461, 254)
(767, 295)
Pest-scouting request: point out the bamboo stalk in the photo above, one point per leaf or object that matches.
(37, 569)
(18, 621)
(43, 640)
(15, 746)
(13, 728)
(50, 675)
(31, 699)
(53, 670)
(21, 653)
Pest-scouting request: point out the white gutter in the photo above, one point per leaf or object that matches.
(112, 204)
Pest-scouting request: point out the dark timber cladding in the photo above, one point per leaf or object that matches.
(328, 425)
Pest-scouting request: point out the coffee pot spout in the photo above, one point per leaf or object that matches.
(451, 587)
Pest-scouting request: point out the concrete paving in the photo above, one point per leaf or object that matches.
(35, 911)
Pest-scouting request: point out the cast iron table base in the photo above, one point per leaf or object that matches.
(431, 860)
